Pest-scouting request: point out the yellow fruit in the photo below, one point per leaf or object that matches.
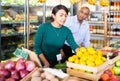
(75, 57)
(99, 52)
(92, 2)
(98, 62)
(89, 72)
(92, 52)
(77, 61)
(103, 58)
(83, 58)
(91, 58)
(90, 48)
(82, 49)
(70, 59)
(90, 63)
(82, 62)
(79, 54)
(104, 3)
(75, 69)
(80, 70)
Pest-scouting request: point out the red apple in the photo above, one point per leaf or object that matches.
(114, 78)
(108, 72)
(104, 77)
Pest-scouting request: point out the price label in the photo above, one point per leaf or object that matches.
(59, 57)
(21, 54)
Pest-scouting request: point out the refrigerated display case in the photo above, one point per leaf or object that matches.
(12, 27)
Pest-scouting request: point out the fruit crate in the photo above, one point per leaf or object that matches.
(29, 76)
(88, 68)
(96, 71)
(112, 61)
(31, 56)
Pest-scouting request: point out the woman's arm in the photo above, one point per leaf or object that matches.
(44, 60)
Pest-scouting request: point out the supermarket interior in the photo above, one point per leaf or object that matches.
(97, 61)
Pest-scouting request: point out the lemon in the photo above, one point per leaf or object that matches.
(82, 62)
(92, 52)
(75, 69)
(98, 62)
(77, 61)
(91, 58)
(79, 54)
(99, 52)
(82, 49)
(70, 59)
(75, 57)
(90, 63)
(90, 48)
(80, 70)
(103, 58)
(83, 58)
(89, 72)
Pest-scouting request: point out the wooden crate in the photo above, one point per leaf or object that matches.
(112, 61)
(88, 68)
(87, 76)
(31, 56)
(29, 76)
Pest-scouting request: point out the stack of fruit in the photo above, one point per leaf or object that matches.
(88, 57)
(41, 1)
(104, 3)
(74, 1)
(112, 74)
(92, 2)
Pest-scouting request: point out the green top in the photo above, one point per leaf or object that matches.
(49, 40)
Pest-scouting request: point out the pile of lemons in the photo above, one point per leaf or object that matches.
(104, 3)
(74, 1)
(41, 1)
(92, 2)
(88, 57)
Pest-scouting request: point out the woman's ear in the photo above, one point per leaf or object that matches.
(53, 16)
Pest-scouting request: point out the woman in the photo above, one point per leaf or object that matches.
(50, 37)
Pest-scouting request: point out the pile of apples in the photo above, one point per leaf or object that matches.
(112, 74)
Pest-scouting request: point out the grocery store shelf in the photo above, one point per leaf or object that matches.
(17, 22)
(114, 11)
(114, 23)
(114, 37)
(95, 22)
(97, 36)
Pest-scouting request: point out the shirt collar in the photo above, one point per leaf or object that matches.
(76, 20)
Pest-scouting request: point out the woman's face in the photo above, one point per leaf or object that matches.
(60, 17)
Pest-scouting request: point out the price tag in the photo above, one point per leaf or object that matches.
(21, 54)
(59, 57)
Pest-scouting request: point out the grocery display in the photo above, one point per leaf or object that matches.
(113, 21)
(99, 62)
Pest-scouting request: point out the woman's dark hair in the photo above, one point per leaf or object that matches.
(59, 7)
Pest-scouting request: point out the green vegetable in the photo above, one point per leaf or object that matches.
(61, 66)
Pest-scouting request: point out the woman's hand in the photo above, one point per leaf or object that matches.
(77, 49)
(44, 60)
(46, 64)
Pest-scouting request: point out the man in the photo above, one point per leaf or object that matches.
(79, 28)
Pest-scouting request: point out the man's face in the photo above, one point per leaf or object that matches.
(83, 14)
